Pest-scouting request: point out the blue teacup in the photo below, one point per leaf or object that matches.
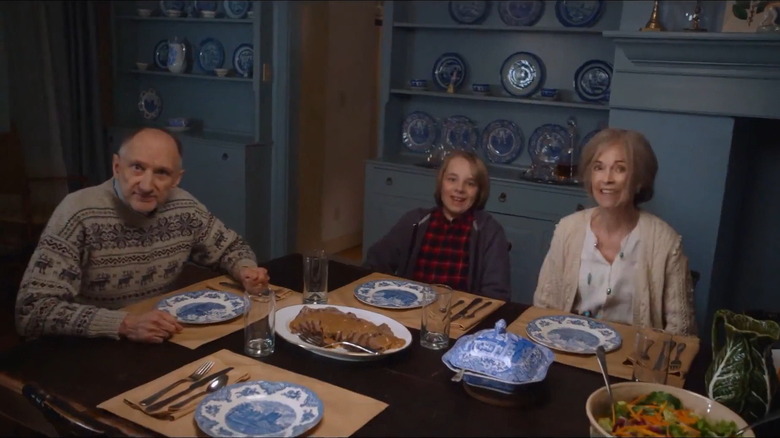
(480, 88)
(179, 122)
(418, 83)
(549, 93)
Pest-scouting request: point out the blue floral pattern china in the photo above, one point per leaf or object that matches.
(243, 60)
(459, 132)
(547, 142)
(166, 5)
(465, 12)
(203, 306)
(161, 55)
(522, 74)
(578, 13)
(211, 55)
(573, 334)
(236, 9)
(419, 131)
(592, 81)
(392, 294)
(498, 360)
(204, 5)
(521, 13)
(150, 104)
(502, 141)
(450, 67)
(587, 137)
(259, 408)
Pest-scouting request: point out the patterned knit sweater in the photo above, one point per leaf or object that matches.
(97, 255)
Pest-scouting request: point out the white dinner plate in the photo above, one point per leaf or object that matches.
(259, 408)
(573, 334)
(392, 294)
(287, 314)
(203, 306)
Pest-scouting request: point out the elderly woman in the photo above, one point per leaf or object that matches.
(455, 243)
(615, 261)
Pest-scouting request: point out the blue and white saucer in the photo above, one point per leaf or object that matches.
(161, 55)
(243, 60)
(547, 142)
(150, 104)
(573, 334)
(392, 294)
(502, 141)
(592, 81)
(450, 67)
(459, 132)
(203, 306)
(236, 9)
(579, 13)
(522, 74)
(211, 55)
(521, 13)
(419, 132)
(465, 12)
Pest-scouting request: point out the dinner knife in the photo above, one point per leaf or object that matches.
(197, 384)
(466, 309)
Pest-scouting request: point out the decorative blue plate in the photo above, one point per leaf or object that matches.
(588, 136)
(203, 306)
(592, 81)
(522, 74)
(236, 9)
(579, 13)
(419, 132)
(521, 13)
(243, 60)
(469, 12)
(204, 5)
(150, 104)
(161, 55)
(392, 294)
(459, 132)
(171, 5)
(449, 66)
(547, 143)
(259, 408)
(211, 55)
(573, 334)
(502, 141)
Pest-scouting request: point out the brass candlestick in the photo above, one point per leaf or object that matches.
(653, 24)
(695, 18)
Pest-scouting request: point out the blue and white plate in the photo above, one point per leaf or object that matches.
(161, 55)
(211, 55)
(150, 104)
(459, 132)
(203, 306)
(166, 5)
(521, 13)
(502, 141)
(522, 74)
(592, 81)
(419, 131)
(450, 67)
(243, 60)
(392, 294)
(469, 12)
(236, 9)
(259, 408)
(587, 137)
(573, 334)
(204, 5)
(547, 142)
(579, 13)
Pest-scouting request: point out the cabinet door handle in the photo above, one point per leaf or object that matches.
(389, 181)
(580, 207)
(225, 156)
(502, 197)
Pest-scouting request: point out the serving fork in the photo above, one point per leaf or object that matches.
(197, 374)
(318, 341)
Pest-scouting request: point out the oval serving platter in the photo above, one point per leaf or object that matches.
(259, 408)
(592, 81)
(392, 294)
(419, 131)
(459, 132)
(243, 59)
(502, 141)
(211, 55)
(521, 13)
(203, 306)
(522, 74)
(578, 13)
(547, 142)
(449, 67)
(573, 334)
(465, 12)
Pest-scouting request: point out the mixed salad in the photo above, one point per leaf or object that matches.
(661, 414)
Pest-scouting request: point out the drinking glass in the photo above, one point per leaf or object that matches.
(315, 277)
(652, 348)
(436, 318)
(259, 316)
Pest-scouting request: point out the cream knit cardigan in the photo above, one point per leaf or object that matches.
(664, 292)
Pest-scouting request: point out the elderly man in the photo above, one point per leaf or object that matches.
(123, 241)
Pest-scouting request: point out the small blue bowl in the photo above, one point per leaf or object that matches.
(179, 122)
(549, 93)
(418, 83)
(480, 88)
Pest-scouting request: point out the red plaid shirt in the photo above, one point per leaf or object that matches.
(444, 255)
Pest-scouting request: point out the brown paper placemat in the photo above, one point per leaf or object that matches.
(619, 361)
(344, 411)
(195, 335)
(345, 296)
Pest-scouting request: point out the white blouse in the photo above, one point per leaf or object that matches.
(606, 291)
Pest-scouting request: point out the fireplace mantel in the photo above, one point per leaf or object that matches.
(726, 74)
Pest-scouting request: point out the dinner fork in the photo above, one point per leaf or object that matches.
(474, 312)
(197, 374)
(675, 364)
(316, 340)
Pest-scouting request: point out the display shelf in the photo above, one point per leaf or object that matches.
(190, 76)
(506, 99)
(198, 20)
(492, 28)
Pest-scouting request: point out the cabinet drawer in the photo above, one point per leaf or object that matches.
(401, 183)
(532, 202)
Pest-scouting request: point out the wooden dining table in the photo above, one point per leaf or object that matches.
(422, 399)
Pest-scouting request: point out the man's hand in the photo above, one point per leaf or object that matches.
(254, 279)
(154, 326)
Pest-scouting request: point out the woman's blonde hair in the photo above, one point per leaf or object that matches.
(642, 163)
(480, 175)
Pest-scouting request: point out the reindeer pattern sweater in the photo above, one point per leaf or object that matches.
(97, 255)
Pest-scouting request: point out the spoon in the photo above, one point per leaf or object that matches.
(768, 418)
(214, 385)
(602, 357)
